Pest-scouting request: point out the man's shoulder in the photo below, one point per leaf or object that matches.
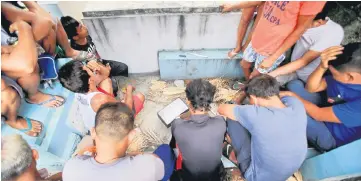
(75, 163)
(218, 120)
(146, 160)
(79, 159)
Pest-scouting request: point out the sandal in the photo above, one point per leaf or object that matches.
(238, 86)
(39, 135)
(52, 98)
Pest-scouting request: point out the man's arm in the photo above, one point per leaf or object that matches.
(100, 99)
(324, 114)
(227, 110)
(24, 55)
(241, 5)
(303, 23)
(293, 66)
(315, 82)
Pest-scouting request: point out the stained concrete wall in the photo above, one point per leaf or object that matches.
(133, 32)
(135, 36)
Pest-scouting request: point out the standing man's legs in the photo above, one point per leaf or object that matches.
(246, 17)
(241, 142)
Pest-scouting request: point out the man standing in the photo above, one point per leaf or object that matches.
(281, 25)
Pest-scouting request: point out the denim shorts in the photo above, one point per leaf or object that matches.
(250, 55)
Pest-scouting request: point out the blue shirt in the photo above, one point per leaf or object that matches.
(349, 112)
(278, 139)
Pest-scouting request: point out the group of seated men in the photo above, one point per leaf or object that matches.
(267, 139)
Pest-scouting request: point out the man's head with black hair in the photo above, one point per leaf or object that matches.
(262, 88)
(73, 28)
(200, 94)
(73, 77)
(347, 66)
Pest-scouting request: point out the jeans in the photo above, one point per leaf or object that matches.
(165, 153)
(318, 135)
(241, 143)
(117, 68)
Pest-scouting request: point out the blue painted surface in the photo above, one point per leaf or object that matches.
(193, 64)
(60, 140)
(342, 161)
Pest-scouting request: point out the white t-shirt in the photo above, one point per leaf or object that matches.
(316, 39)
(144, 167)
(85, 108)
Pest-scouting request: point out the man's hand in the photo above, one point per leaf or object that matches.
(267, 62)
(97, 71)
(273, 74)
(287, 93)
(227, 8)
(330, 54)
(99, 68)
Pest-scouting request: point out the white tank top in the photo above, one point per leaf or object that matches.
(85, 108)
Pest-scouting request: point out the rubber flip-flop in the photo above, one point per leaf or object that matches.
(238, 86)
(52, 98)
(40, 135)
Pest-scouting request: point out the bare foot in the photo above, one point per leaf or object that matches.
(46, 100)
(21, 123)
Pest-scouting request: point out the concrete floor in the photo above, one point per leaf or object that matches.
(152, 131)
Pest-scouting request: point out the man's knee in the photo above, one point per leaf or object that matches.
(295, 85)
(245, 64)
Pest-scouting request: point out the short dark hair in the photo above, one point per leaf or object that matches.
(73, 77)
(114, 120)
(323, 14)
(350, 59)
(200, 93)
(70, 24)
(263, 86)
